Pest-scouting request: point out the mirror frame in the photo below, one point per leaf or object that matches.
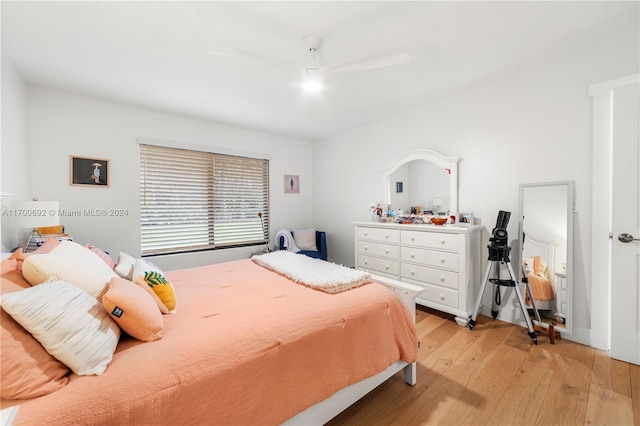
(568, 325)
(449, 163)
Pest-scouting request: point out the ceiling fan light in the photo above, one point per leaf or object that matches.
(312, 86)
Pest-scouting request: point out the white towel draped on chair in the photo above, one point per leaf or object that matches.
(289, 242)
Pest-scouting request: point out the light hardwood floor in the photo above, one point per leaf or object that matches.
(495, 375)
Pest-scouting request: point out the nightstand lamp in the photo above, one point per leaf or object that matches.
(36, 214)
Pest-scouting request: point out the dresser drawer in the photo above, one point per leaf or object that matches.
(425, 274)
(379, 234)
(442, 259)
(413, 254)
(440, 295)
(368, 263)
(429, 239)
(378, 249)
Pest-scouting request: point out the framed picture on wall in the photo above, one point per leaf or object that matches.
(291, 184)
(399, 187)
(86, 171)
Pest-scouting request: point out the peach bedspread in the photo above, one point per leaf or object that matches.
(246, 346)
(541, 288)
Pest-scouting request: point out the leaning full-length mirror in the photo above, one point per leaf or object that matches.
(546, 237)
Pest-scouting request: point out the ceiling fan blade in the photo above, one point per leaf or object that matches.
(382, 59)
(252, 58)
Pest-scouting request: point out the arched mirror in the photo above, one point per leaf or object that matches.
(545, 231)
(422, 178)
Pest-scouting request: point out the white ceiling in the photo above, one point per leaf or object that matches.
(159, 54)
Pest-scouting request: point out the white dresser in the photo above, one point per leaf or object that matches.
(443, 260)
(561, 296)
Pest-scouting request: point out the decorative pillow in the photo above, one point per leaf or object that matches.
(20, 256)
(133, 309)
(531, 265)
(543, 269)
(305, 239)
(28, 370)
(152, 279)
(72, 263)
(125, 265)
(70, 324)
(102, 255)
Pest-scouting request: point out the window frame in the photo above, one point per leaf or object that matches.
(195, 200)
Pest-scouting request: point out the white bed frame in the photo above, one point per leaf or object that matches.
(324, 411)
(547, 251)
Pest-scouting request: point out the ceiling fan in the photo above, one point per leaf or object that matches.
(313, 72)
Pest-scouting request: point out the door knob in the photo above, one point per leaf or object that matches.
(627, 238)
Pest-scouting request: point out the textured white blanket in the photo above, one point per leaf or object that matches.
(315, 273)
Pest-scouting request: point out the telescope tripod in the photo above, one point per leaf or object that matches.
(498, 257)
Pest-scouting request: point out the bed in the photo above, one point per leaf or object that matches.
(538, 261)
(246, 345)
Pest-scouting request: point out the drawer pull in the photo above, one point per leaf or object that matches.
(443, 241)
(442, 260)
(386, 267)
(366, 248)
(412, 272)
(386, 236)
(413, 238)
(386, 251)
(442, 297)
(366, 262)
(442, 279)
(412, 255)
(366, 234)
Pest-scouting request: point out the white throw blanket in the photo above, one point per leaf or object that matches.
(289, 242)
(315, 273)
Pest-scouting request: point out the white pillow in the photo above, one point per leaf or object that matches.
(305, 239)
(69, 262)
(527, 264)
(70, 324)
(124, 268)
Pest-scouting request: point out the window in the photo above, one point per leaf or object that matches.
(192, 200)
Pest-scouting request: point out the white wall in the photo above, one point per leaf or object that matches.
(64, 124)
(15, 177)
(529, 125)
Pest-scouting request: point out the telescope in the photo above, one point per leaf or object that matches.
(499, 241)
(499, 272)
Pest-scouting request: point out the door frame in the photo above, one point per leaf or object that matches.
(602, 94)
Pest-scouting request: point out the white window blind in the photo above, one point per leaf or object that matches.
(193, 200)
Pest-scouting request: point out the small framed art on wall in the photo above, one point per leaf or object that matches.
(86, 171)
(291, 184)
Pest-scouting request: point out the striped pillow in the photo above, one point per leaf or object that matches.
(71, 325)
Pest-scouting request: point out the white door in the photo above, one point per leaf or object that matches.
(625, 195)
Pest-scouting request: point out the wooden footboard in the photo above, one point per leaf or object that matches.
(324, 411)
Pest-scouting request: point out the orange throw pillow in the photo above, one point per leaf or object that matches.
(133, 309)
